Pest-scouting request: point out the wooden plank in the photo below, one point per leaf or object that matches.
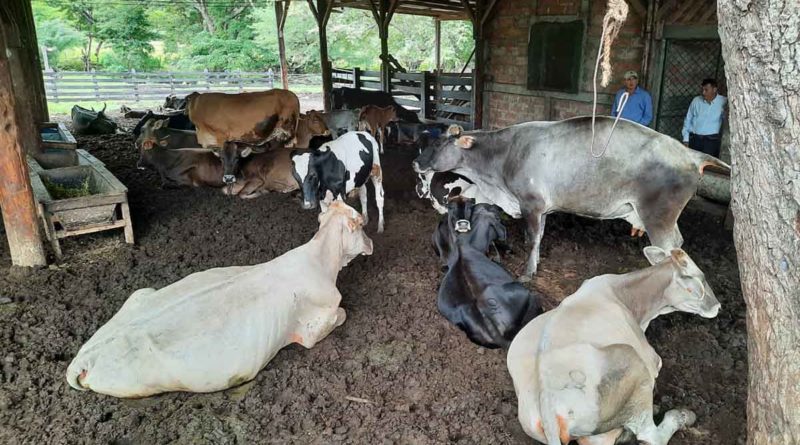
(373, 85)
(371, 74)
(100, 168)
(463, 95)
(91, 228)
(454, 109)
(411, 103)
(453, 80)
(83, 202)
(408, 76)
(399, 90)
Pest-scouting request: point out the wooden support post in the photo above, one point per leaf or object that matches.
(356, 78)
(322, 12)
(16, 195)
(437, 28)
(478, 18)
(383, 13)
(425, 98)
(281, 11)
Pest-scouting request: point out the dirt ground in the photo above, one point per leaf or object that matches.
(423, 381)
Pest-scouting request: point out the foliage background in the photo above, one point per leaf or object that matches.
(149, 35)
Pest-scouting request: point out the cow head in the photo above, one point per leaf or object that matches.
(315, 122)
(231, 156)
(688, 291)
(342, 219)
(317, 171)
(446, 153)
(306, 177)
(153, 133)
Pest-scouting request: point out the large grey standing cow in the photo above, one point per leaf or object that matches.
(536, 168)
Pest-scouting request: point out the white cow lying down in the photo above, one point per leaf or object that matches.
(584, 370)
(216, 329)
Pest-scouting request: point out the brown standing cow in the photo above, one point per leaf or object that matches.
(375, 120)
(244, 117)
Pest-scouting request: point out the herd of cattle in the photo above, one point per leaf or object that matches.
(583, 370)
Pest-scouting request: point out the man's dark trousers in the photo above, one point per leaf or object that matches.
(708, 144)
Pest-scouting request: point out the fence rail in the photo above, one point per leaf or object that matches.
(67, 86)
(445, 97)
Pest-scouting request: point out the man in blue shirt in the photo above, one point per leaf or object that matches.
(639, 107)
(701, 128)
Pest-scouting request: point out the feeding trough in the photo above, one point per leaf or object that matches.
(79, 199)
(58, 146)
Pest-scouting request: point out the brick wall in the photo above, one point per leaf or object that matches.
(507, 60)
(558, 7)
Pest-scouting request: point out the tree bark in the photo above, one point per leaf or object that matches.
(762, 56)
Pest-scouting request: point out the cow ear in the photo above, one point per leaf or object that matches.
(246, 152)
(454, 130)
(158, 124)
(680, 258)
(655, 254)
(465, 142)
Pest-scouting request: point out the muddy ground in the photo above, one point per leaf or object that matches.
(424, 382)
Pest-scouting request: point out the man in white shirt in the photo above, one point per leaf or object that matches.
(703, 123)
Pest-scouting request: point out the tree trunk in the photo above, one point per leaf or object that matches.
(208, 21)
(761, 47)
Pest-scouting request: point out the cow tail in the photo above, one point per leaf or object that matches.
(702, 160)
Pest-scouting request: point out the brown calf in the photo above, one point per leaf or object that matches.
(375, 120)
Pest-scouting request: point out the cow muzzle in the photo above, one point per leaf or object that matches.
(418, 169)
(228, 179)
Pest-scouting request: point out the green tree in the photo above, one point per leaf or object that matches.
(128, 32)
(81, 15)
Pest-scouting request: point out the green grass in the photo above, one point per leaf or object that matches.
(63, 191)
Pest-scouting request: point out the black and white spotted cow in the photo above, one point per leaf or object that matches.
(341, 166)
(440, 186)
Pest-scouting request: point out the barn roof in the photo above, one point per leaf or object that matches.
(441, 9)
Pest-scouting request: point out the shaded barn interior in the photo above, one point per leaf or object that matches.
(396, 372)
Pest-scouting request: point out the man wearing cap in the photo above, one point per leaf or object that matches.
(701, 128)
(639, 107)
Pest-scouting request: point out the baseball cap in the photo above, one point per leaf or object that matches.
(629, 74)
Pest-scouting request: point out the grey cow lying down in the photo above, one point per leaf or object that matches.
(536, 168)
(217, 328)
(585, 371)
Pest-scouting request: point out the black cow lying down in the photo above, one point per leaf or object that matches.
(177, 120)
(477, 294)
(486, 230)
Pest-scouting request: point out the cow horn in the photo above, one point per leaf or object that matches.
(454, 130)
(104, 108)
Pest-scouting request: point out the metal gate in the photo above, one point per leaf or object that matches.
(686, 64)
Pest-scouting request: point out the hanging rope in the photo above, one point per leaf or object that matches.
(616, 13)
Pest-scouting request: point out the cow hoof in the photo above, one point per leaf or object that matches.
(524, 279)
(683, 417)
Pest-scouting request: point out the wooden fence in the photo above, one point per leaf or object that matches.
(443, 97)
(69, 86)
